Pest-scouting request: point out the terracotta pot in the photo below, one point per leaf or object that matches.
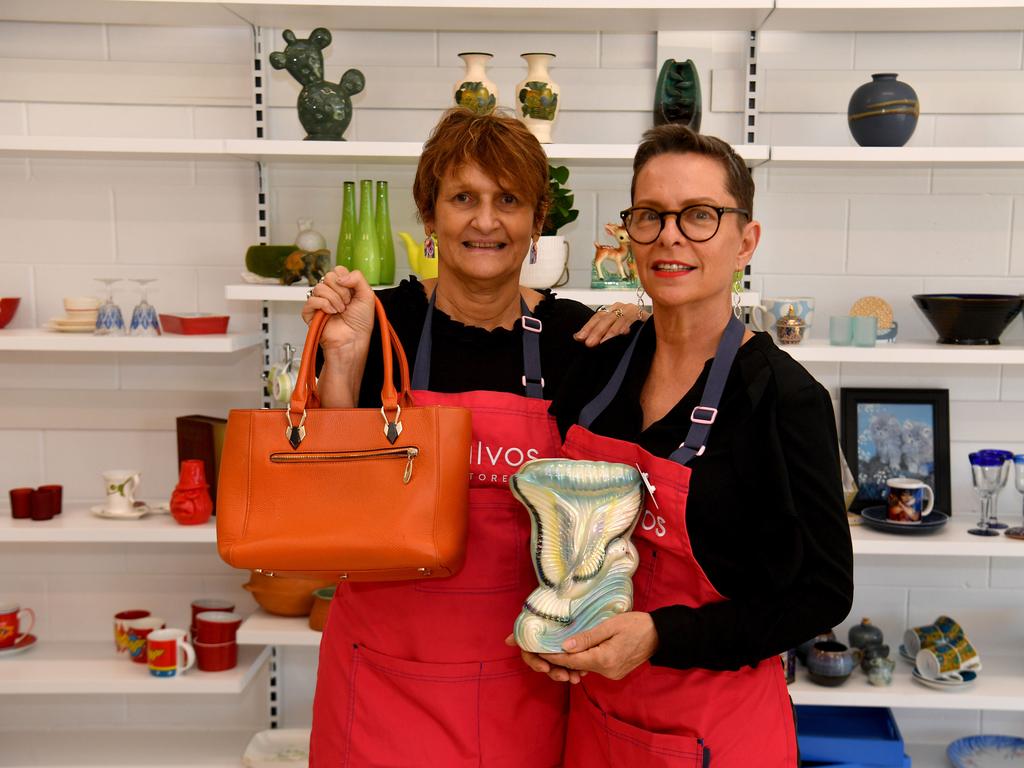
(321, 605)
(285, 595)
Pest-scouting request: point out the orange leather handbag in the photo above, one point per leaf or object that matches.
(369, 494)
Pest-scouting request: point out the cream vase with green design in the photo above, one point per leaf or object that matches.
(474, 90)
(537, 96)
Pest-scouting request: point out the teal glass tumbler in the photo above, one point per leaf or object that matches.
(865, 331)
(840, 330)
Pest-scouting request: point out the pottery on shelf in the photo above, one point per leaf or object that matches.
(864, 634)
(474, 90)
(879, 670)
(325, 109)
(969, 318)
(677, 96)
(830, 663)
(873, 651)
(804, 648)
(551, 265)
(884, 112)
(582, 514)
(537, 96)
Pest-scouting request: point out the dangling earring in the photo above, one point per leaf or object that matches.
(641, 313)
(533, 251)
(430, 246)
(737, 289)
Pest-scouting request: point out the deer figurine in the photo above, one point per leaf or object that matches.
(619, 253)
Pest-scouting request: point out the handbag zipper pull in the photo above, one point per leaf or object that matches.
(412, 453)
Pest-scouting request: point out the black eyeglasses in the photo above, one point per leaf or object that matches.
(698, 223)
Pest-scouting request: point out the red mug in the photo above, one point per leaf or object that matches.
(138, 631)
(59, 490)
(210, 604)
(217, 626)
(21, 508)
(10, 621)
(44, 503)
(121, 628)
(216, 657)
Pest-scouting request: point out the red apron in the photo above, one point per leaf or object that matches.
(658, 717)
(417, 673)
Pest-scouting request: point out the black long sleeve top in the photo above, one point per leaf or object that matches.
(467, 358)
(765, 511)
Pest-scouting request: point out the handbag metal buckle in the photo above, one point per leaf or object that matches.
(295, 435)
(392, 429)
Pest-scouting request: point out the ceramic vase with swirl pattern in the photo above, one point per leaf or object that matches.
(582, 514)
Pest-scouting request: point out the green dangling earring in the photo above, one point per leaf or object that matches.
(737, 289)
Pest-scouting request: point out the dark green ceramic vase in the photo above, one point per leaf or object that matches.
(677, 95)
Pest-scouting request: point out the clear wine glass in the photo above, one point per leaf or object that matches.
(985, 471)
(145, 321)
(109, 321)
(1004, 475)
(1018, 481)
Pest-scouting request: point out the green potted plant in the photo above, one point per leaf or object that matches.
(552, 251)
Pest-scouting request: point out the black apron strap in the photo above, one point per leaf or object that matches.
(533, 381)
(703, 416)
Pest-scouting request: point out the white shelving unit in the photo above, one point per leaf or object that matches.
(262, 628)
(907, 352)
(895, 15)
(42, 340)
(67, 748)
(77, 524)
(64, 668)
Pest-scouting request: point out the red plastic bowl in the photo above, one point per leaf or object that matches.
(198, 323)
(7, 309)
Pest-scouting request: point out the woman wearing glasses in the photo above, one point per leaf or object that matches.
(743, 541)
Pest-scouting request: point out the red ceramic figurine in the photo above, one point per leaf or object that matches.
(190, 502)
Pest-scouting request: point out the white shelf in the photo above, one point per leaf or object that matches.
(55, 668)
(906, 352)
(88, 146)
(297, 293)
(123, 748)
(951, 541)
(77, 524)
(471, 15)
(896, 15)
(1000, 686)
(42, 340)
(932, 157)
(262, 628)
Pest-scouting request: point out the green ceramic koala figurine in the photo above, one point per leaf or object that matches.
(325, 109)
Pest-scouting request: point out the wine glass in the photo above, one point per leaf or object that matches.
(985, 470)
(1004, 475)
(1018, 481)
(109, 321)
(144, 318)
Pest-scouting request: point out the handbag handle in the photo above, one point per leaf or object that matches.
(306, 395)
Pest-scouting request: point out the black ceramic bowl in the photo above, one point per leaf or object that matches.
(969, 318)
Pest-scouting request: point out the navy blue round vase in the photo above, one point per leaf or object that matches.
(883, 113)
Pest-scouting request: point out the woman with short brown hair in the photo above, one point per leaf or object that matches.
(417, 673)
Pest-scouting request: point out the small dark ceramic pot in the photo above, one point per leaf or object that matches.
(864, 634)
(880, 671)
(883, 113)
(873, 651)
(830, 663)
(805, 647)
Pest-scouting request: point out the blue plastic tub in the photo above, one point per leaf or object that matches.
(850, 736)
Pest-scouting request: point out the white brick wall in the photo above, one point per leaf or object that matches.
(835, 234)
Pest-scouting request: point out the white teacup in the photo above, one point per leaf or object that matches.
(120, 487)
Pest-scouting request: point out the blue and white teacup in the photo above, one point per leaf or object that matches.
(766, 316)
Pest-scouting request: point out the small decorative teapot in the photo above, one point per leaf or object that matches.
(790, 329)
(864, 634)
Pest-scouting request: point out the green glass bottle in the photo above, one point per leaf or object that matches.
(366, 257)
(347, 232)
(385, 241)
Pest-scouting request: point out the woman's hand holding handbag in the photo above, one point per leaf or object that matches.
(369, 494)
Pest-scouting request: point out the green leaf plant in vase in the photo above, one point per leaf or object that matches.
(548, 265)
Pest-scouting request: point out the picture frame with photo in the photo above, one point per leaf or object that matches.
(895, 433)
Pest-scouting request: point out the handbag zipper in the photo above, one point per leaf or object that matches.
(409, 453)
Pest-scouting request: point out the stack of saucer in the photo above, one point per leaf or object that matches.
(79, 315)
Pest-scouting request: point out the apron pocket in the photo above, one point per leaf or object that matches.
(497, 546)
(625, 745)
(405, 711)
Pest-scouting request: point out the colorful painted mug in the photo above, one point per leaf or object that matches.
(907, 502)
(168, 653)
(121, 627)
(941, 661)
(10, 623)
(120, 487)
(138, 631)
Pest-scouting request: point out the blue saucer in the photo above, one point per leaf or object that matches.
(984, 751)
(878, 518)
